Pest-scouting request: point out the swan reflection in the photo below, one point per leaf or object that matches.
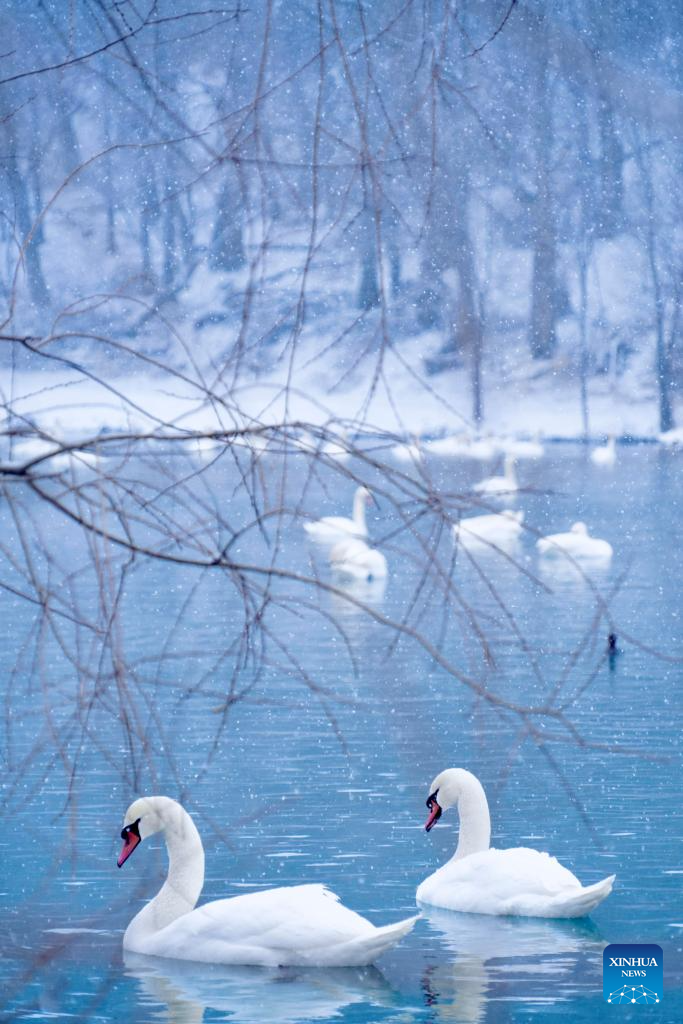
(494, 951)
(369, 592)
(254, 995)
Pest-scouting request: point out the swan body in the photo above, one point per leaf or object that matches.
(504, 484)
(481, 880)
(606, 454)
(303, 925)
(332, 528)
(457, 445)
(463, 446)
(576, 543)
(494, 529)
(354, 559)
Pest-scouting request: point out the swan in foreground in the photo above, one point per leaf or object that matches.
(504, 484)
(354, 559)
(606, 454)
(576, 543)
(332, 528)
(481, 880)
(303, 925)
(496, 528)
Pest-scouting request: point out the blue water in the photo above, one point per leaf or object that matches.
(324, 778)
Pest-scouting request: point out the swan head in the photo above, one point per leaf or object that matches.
(144, 818)
(446, 790)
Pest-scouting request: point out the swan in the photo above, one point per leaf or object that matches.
(482, 448)
(354, 559)
(493, 529)
(504, 484)
(456, 445)
(481, 880)
(576, 543)
(303, 925)
(332, 528)
(606, 454)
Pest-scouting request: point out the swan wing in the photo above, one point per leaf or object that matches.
(334, 527)
(518, 881)
(303, 924)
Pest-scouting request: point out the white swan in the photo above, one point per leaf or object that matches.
(300, 925)
(456, 445)
(499, 529)
(480, 880)
(354, 559)
(606, 454)
(576, 543)
(462, 445)
(332, 528)
(505, 484)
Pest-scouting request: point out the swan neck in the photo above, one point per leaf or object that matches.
(359, 510)
(475, 821)
(184, 881)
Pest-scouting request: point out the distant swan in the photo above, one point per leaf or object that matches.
(354, 559)
(499, 529)
(606, 454)
(481, 880)
(504, 484)
(298, 925)
(332, 528)
(482, 449)
(577, 543)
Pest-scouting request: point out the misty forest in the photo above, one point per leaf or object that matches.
(341, 371)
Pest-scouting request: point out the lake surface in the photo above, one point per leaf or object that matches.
(327, 782)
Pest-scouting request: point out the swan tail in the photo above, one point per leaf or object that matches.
(365, 950)
(585, 900)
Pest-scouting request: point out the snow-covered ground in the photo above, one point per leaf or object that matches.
(398, 399)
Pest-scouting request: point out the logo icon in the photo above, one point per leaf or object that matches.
(633, 973)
